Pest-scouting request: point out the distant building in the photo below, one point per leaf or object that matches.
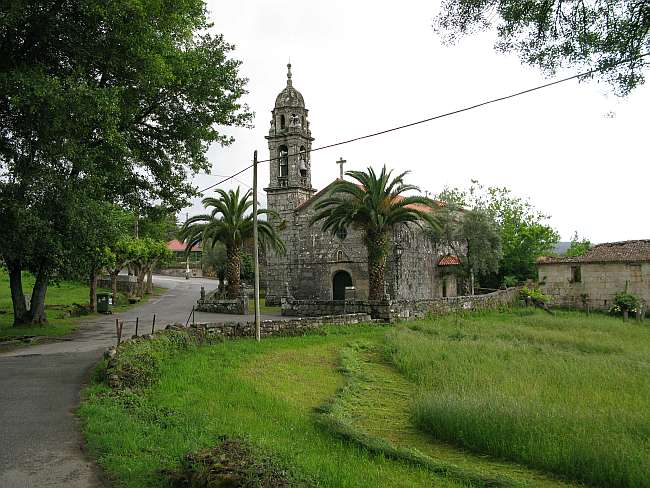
(180, 257)
(600, 274)
(318, 265)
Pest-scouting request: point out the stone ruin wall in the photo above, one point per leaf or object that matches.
(600, 281)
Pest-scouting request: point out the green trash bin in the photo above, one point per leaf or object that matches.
(104, 303)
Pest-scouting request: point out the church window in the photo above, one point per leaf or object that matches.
(282, 122)
(284, 162)
(341, 233)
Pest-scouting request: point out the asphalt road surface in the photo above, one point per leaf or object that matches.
(40, 441)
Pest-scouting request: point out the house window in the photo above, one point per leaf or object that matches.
(576, 274)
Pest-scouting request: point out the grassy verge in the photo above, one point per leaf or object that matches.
(264, 393)
(567, 394)
(59, 297)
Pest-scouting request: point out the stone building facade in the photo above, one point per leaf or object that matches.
(595, 278)
(318, 265)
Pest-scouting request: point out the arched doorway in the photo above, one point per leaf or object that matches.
(340, 280)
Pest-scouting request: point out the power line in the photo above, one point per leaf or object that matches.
(440, 116)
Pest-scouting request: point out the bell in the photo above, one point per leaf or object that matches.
(303, 165)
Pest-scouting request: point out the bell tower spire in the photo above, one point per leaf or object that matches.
(289, 143)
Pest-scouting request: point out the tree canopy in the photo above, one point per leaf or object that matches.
(106, 101)
(595, 34)
(525, 234)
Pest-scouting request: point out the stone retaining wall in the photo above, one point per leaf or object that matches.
(286, 327)
(390, 311)
(237, 306)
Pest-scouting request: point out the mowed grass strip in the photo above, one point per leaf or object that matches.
(264, 393)
(568, 394)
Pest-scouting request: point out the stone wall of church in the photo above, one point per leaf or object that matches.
(313, 258)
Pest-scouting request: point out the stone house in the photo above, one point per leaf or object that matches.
(597, 276)
(321, 266)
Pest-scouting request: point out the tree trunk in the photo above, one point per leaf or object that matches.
(377, 266)
(92, 298)
(17, 295)
(233, 272)
(114, 285)
(140, 277)
(150, 280)
(37, 306)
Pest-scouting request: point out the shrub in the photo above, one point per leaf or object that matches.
(626, 302)
(534, 294)
(510, 281)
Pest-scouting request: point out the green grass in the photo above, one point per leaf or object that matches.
(61, 294)
(264, 393)
(374, 407)
(567, 394)
(264, 308)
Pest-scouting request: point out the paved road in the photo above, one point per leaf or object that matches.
(40, 442)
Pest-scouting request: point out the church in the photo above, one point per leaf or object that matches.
(321, 266)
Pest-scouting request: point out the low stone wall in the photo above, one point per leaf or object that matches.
(179, 272)
(237, 306)
(390, 311)
(125, 286)
(286, 327)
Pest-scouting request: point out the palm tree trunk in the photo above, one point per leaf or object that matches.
(376, 245)
(233, 272)
(17, 294)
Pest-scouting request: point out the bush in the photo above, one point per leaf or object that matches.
(626, 302)
(534, 294)
(510, 281)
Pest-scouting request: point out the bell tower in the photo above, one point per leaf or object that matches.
(289, 142)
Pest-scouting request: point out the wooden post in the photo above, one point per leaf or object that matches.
(153, 324)
(256, 262)
(137, 319)
(117, 331)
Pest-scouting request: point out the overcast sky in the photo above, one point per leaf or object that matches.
(365, 66)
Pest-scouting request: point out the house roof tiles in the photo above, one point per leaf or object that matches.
(609, 252)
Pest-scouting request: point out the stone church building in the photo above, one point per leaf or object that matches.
(318, 265)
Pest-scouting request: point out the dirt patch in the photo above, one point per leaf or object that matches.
(231, 464)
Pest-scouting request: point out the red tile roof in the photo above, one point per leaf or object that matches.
(178, 246)
(609, 252)
(449, 260)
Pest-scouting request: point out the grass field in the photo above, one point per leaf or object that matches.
(565, 394)
(60, 294)
(511, 399)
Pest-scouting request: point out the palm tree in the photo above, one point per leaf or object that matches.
(374, 204)
(228, 223)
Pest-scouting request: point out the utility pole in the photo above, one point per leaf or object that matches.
(256, 261)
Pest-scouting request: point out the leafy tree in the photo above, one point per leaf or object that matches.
(375, 204)
(473, 236)
(578, 247)
(143, 254)
(117, 101)
(230, 223)
(524, 233)
(596, 34)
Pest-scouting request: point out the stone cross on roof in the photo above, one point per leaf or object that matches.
(341, 162)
